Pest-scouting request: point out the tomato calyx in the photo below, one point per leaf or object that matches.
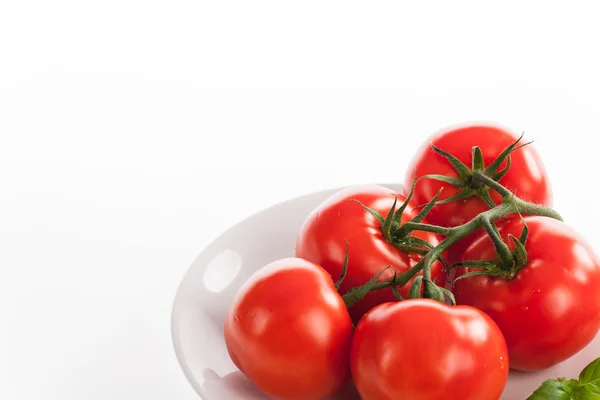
(392, 225)
(509, 262)
(465, 182)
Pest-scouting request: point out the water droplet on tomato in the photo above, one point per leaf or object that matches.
(525, 308)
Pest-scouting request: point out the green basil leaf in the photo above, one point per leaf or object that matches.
(590, 374)
(587, 392)
(555, 390)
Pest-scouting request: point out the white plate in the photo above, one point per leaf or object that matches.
(213, 279)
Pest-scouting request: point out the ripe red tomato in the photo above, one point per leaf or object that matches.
(289, 331)
(551, 309)
(423, 349)
(321, 240)
(526, 176)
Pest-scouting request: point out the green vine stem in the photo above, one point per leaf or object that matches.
(510, 205)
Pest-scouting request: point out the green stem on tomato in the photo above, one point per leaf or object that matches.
(502, 250)
(510, 205)
(410, 226)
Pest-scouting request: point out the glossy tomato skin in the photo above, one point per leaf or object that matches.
(321, 240)
(456, 251)
(551, 309)
(289, 331)
(526, 177)
(424, 350)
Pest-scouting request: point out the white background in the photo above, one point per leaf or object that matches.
(133, 132)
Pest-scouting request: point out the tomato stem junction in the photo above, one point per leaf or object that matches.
(510, 262)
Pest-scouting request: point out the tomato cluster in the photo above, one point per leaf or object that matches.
(432, 293)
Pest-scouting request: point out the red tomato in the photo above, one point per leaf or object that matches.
(423, 349)
(289, 331)
(456, 251)
(526, 176)
(321, 240)
(551, 309)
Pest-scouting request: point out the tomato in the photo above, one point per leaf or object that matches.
(526, 176)
(322, 240)
(551, 309)
(289, 331)
(455, 252)
(423, 349)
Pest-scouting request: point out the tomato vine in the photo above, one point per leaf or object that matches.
(398, 233)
